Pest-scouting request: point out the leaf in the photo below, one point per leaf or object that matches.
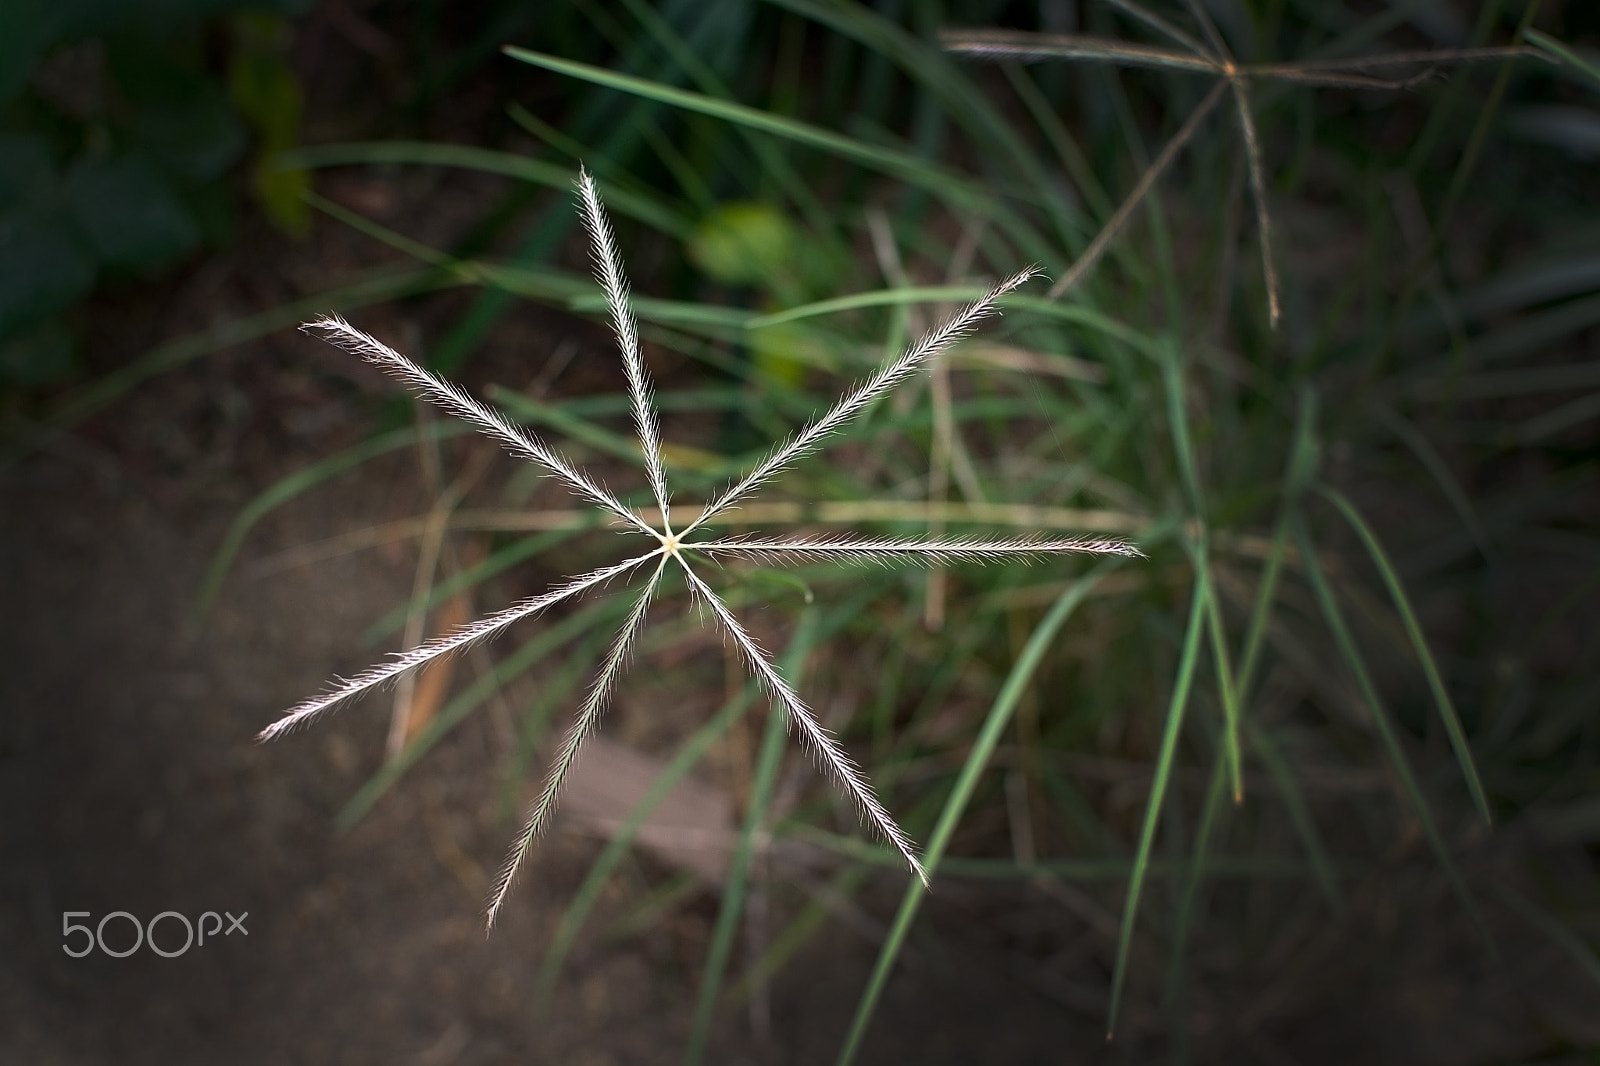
(198, 137)
(264, 88)
(26, 169)
(745, 243)
(42, 356)
(43, 270)
(128, 214)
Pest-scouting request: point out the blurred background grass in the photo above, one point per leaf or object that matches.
(1341, 724)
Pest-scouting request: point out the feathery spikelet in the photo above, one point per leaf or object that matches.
(665, 546)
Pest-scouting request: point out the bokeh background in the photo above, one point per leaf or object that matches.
(1372, 539)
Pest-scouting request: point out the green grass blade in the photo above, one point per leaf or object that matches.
(548, 285)
(452, 713)
(1183, 443)
(945, 81)
(1261, 613)
(1227, 688)
(518, 551)
(619, 199)
(1430, 458)
(896, 297)
(733, 888)
(294, 485)
(786, 944)
(904, 165)
(1297, 475)
(1189, 901)
(588, 894)
(1562, 935)
(1178, 426)
(389, 284)
(1187, 660)
(1305, 824)
(1419, 642)
(727, 320)
(1384, 727)
(972, 768)
(1565, 54)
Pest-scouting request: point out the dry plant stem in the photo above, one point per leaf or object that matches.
(1097, 248)
(1252, 145)
(430, 554)
(668, 545)
(1209, 28)
(1161, 25)
(1216, 59)
(1258, 192)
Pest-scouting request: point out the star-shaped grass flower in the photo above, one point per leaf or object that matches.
(1209, 57)
(666, 546)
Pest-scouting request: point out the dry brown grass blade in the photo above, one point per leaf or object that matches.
(1215, 58)
(1035, 47)
(431, 682)
(1097, 248)
(1162, 26)
(1258, 192)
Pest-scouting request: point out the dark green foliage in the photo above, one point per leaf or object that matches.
(120, 134)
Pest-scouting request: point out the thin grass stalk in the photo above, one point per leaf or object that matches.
(1294, 799)
(451, 714)
(1419, 644)
(1032, 47)
(1379, 717)
(972, 768)
(1165, 759)
(1560, 51)
(1297, 475)
(1102, 241)
(1162, 26)
(752, 838)
(1227, 688)
(588, 893)
(1258, 192)
(288, 488)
